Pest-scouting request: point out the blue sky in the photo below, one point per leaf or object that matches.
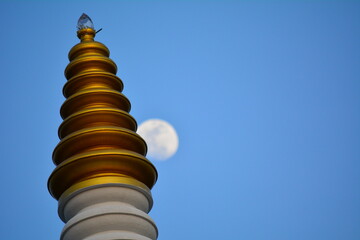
(264, 96)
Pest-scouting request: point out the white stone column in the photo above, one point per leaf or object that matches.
(111, 211)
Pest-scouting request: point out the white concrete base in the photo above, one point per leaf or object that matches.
(108, 212)
(115, 235)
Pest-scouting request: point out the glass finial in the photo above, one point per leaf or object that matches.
(85, 22)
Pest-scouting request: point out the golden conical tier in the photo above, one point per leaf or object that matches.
(97, 137)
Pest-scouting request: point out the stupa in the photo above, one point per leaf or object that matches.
(102, 178)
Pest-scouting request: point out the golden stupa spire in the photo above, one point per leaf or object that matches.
(99, 151)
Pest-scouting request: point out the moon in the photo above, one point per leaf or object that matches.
(160, 137)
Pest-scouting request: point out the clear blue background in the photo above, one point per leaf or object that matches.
(264, 96)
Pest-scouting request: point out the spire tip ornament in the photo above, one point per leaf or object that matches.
(85, 22)
(85, 26)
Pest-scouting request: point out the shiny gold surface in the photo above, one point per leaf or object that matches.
(98, 140)
(86, 34)
(91, 80)
(101, 179)
(90, 64)
(88, 49)
(87, 165)
(95, 117)
(94, 98)
(104, 137)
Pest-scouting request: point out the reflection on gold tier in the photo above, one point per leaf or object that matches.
(107, 162)
(94, 117)
(103, 178)
(105, 137)
(92, 98)
(88, 49)
(91, 80)
(89, 64)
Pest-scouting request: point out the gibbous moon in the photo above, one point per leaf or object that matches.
(160, 137)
